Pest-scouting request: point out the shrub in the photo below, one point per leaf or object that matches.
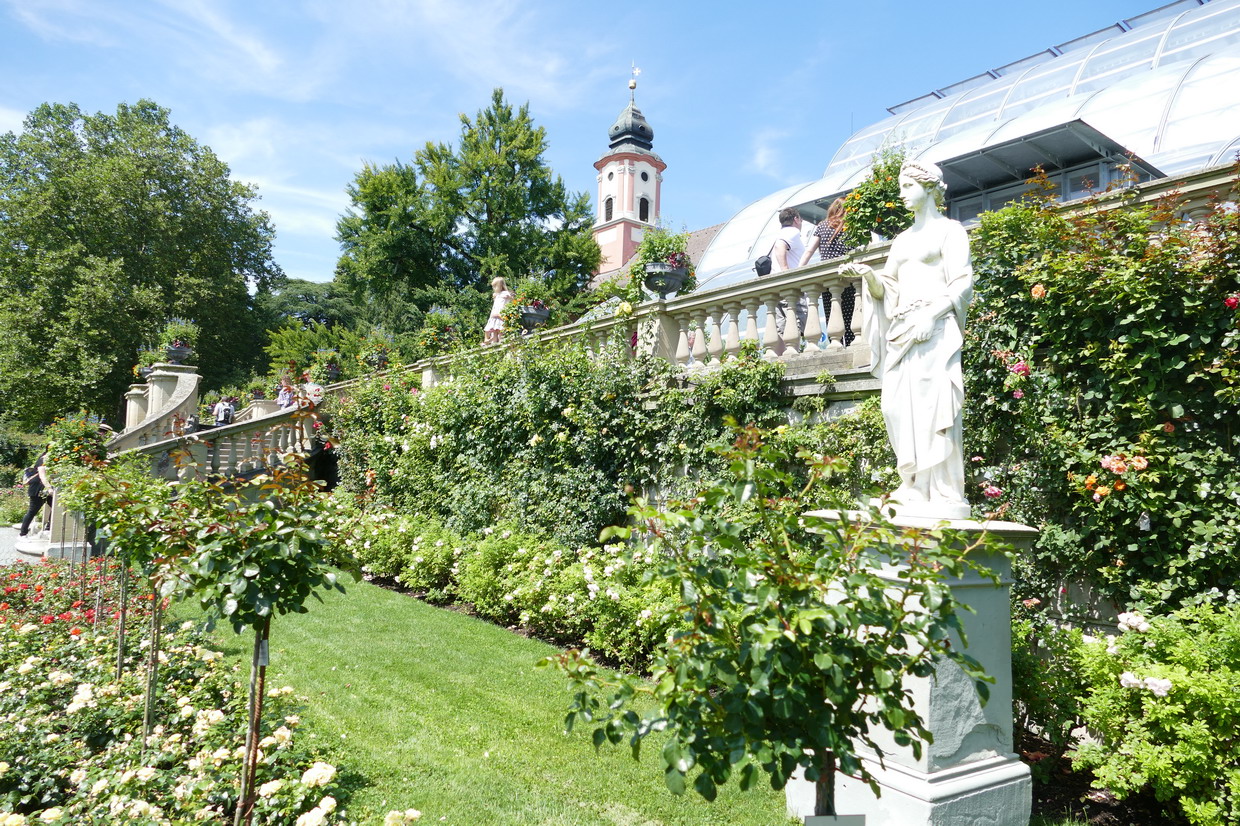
(1101, 365)
(1047, 686)
(549, 440)
(1162, 702)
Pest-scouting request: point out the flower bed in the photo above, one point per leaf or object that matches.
(70, 746)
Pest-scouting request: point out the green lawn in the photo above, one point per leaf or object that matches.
(447, 714)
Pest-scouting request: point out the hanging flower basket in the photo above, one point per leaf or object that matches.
(664, 279)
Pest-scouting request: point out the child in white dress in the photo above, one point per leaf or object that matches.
(494, 331)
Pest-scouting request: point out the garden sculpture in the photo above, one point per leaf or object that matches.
(915, 309)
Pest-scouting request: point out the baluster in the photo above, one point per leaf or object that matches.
(732, 320)
(699, 342)
(714, 339)
(813, 327)
(792, 326)
(854, 322)
(835, 324)
(213, 455)
(751, 322)
(772, 343)
(682, 343)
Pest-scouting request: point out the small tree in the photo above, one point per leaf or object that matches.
(798, 634)
(261, 547)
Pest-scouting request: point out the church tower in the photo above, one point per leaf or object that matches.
(629, 178)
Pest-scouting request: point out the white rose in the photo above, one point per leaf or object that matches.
(320, 774)
(269, 788)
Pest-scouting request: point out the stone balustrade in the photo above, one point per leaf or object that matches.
(238, 449)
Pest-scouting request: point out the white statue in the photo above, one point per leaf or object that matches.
(915, 313)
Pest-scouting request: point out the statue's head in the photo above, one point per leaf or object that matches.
(928, 175)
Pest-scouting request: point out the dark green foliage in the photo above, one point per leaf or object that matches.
(794, 647)
(454, 215)
(549, 438)
(109, 225)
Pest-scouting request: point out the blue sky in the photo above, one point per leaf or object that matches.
(744, 98)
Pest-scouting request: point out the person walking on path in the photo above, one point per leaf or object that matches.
(39, 489)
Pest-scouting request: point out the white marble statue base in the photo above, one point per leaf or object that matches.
(937, 511)
(969, 775)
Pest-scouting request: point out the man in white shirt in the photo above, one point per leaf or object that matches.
(786, 254)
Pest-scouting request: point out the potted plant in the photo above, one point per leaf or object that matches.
(148, 357)
(873, 211)
(662, 262)
(532, 305)
(178, 338)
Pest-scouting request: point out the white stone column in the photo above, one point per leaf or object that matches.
(970, 773)
(135, 405)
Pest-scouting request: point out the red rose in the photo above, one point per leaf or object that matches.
(1232, 301)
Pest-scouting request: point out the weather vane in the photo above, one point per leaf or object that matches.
(633, 80)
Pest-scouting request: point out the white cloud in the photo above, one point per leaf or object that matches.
(766, 158)
(11, 119)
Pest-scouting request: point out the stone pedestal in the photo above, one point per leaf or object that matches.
(970, 774)
(162, 384)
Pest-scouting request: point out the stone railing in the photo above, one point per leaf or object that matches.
(697, 330)
(160, 408)
(238, 449)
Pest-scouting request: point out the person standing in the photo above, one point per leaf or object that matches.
(830, 236)
(38, 489)
(501, 298)
(786, 254)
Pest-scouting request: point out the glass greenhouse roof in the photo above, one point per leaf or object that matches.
(1164, 86)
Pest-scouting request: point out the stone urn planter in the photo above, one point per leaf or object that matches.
(143, 372)
(177, 354)
(664, 279)
(532, 317)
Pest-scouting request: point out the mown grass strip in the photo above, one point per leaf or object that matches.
(447, 714)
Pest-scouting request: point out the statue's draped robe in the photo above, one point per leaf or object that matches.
(922, 382)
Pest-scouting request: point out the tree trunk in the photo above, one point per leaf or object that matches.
(258, 680)
(152, 665)
(120, 628)
(824, 787)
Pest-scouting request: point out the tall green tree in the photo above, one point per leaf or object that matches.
(456, 215)
(108, 225)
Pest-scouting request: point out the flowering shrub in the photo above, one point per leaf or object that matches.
(600, 597)
(1103, 370)
(874, 205)
(1161, 703)
(71, 749)
(549, 440)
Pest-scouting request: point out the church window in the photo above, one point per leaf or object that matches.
(643, 210)
(607, 209)
(645, 176)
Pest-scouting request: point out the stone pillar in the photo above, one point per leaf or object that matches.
(970, 774)
(135, 405)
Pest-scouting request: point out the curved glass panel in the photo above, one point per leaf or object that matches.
(739, 237)
(1040, 85)
(1208, 29)
(1132, 111)
(1113, 61)
(1205, 113)
(982, 106)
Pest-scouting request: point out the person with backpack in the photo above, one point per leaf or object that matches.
(223, 411)
(39, 489)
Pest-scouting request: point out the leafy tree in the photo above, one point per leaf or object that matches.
(108, 225)
(455, 215)
(307, 302)
(796, 641)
